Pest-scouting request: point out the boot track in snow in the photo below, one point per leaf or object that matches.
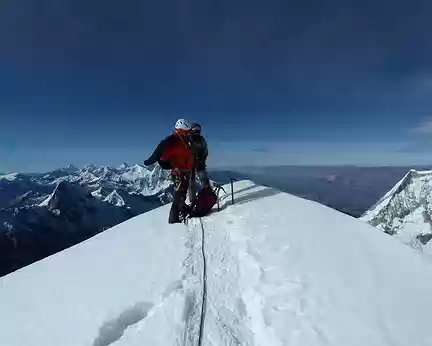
(197, 294)
(204, 287)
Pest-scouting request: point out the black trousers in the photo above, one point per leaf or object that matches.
(181, 185)
(201, 171)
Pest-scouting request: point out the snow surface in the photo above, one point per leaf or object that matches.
(273, 269)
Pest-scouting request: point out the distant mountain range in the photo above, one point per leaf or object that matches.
(41, 214)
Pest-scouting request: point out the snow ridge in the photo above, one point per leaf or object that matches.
(384, 201)
(274, 276)
(194, 287)
(204, 289)
(406, 211)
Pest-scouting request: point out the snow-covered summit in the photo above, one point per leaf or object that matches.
(124, 165)
(10, 176)
(64, 192)
(406, 210)
(115, 199)
(271, 270)
(68, 169)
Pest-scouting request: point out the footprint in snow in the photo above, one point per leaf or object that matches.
(113, 330)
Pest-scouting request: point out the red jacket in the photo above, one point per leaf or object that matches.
(175, 150)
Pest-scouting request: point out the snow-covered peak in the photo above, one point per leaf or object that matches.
(135, 172)
(406, 210)
(158, 180)
(9, 176)
(98, 193)
(115, 199)
(97, 170)
(69, 169)
(400, 185)
(64, 195)
(90, 167)
(272, 270)
(138, 169)
(124, 165)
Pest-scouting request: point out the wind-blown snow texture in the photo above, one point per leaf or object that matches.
(41, 214)
(280, 271)
(406, 211)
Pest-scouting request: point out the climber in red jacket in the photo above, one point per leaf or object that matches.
(175, 153)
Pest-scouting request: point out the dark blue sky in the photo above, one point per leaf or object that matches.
(272, 82)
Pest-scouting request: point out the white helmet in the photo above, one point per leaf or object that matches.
(182, 124)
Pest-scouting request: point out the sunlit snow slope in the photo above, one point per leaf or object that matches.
(406, 211)
(271, 270)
